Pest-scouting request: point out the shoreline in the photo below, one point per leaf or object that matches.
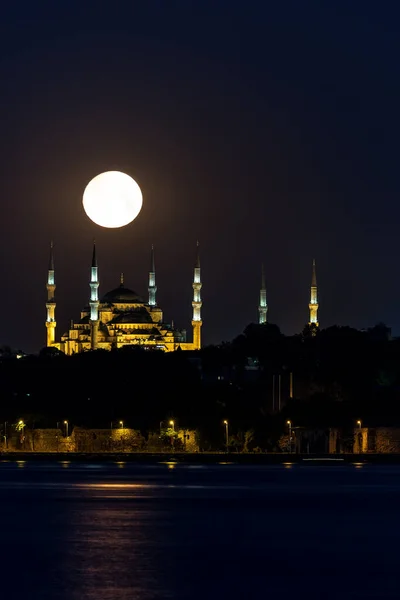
(202, 458)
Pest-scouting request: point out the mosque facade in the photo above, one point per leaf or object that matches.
(121, 317)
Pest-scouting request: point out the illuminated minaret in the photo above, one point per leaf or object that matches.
(94, 301)
(263, 307)
(313, 306)
(51, 302)
(196, 321)
(152, 280)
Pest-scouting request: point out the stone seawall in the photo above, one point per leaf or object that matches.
(84, 440)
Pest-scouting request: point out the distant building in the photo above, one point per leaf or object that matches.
(121, 317)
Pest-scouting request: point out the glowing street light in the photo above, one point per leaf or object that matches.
(289, 423)
(121, 424)
(227, 435)
(66, 427)
(172, 423)
(359, 424)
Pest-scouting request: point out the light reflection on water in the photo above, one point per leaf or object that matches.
(145, 533)
(117, 551)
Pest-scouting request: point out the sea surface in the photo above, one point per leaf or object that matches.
(118, 531)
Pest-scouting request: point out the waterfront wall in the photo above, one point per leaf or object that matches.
(380, 440)
(364, 440)
(97, 441)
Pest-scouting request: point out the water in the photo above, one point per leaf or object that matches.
(126, 531)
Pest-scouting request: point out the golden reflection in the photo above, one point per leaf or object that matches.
(65, 463)
(288, 465)
(121, 464)
(171, 464)
(358, 465)
(226, 463)
(21, 463)
(113, 486)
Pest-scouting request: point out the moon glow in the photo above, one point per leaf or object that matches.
(112, 199)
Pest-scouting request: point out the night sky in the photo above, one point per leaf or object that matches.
(267, 130)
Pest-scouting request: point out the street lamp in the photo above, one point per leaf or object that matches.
(66, 427)
(360, 436)
(227, 435)
(289, 423)
(122, 424)
(172, 424)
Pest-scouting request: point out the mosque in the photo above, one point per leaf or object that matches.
(121, 317)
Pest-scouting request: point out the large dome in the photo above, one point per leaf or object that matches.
(122, 295)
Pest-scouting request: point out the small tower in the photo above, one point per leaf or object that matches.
(313, 306)
(94, 301)
(263, 306)
(152, 280)
(197, 304)
(51, 302)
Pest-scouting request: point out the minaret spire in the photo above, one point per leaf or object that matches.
(51, 302)
(51, 257)
(197, 303)
(94, 257)
(313, 306)
(263, 307)
(152, 280)
(94, 300)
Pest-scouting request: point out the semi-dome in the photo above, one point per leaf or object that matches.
(122, 295)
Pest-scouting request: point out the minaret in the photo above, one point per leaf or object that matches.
(152, 280)
(263, 307)
(196, 321)
(313, 306)
(94, 301)
(51, 302)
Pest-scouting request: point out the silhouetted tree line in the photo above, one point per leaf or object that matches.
(339, 375)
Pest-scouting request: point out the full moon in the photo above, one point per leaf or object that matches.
(112, 199)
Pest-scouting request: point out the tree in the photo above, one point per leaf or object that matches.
(248, 439)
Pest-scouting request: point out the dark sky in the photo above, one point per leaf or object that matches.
(267, 130)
